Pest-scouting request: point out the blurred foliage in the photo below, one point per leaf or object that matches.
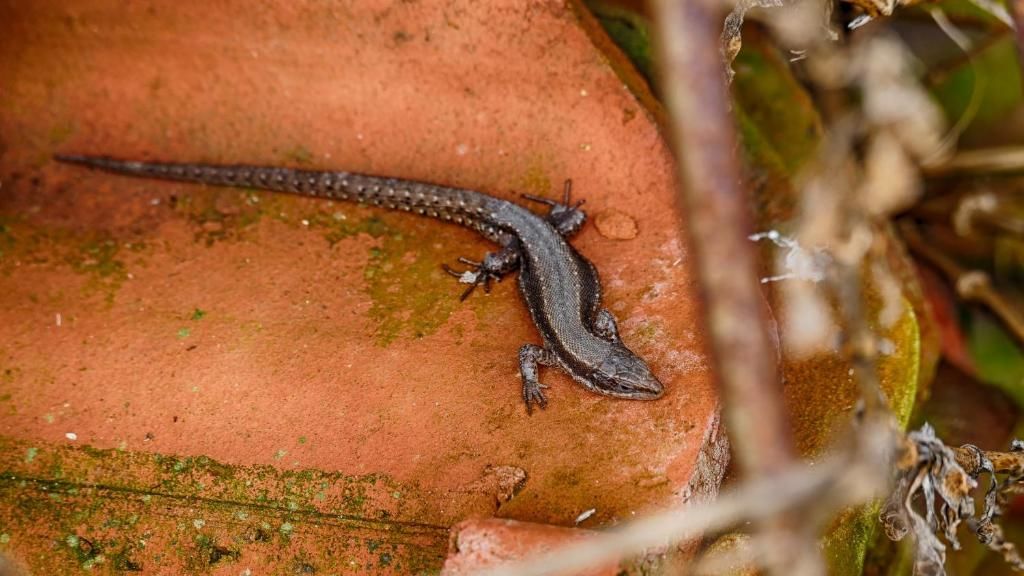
(980, 91)
(629, 30)
(997, 357)
(986, 89)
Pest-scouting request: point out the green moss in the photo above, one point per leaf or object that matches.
(758, 150)
(98, 259)
(219, 214)
(648, 333)
(133, 511)
(96, 255)
(61, 132)
(847, 542)
(630, 31)
(298, 154)
(774, 102)
(339, 225)
(411, 295)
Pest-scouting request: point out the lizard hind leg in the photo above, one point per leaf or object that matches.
(493, 268)
(530, 355)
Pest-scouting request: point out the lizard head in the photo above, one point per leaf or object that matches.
(623, 374)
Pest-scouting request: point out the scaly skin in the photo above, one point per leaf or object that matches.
(561, 288)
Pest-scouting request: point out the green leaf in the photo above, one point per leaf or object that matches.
(997, 357)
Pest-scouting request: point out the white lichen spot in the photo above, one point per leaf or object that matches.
(586, 514)
(797, 262)
(686, 361)
(468, 277)
(71, 436)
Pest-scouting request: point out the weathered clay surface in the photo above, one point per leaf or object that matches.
(256, 329)
(477, 545)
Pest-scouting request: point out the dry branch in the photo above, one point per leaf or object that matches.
(717, 209)
(971, 285)
(851, 477)
(1016, 9)
(718, 215)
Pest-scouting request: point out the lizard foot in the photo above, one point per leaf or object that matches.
(479, 274)
(533, 393)
(565, 217)
(530, 356)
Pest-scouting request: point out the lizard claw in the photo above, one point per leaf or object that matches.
(479, 275)
(533, 393)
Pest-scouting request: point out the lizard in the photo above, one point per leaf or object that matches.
(560, 287)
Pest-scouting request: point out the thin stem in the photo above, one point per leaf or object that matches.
(971, 285)
(1002, 462)
(717, 208)
(1016, 9)
(718, 217)
(841, 481)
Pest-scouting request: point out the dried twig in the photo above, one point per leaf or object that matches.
(1016, 10)
(946, 477)
(718, 215)
(851, 477)
(971, 285)
(982, 161)
(717, 209)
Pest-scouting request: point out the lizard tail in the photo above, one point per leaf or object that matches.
(461, 206)
(304, 182)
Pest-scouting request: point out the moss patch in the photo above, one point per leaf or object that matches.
(96, 255)
(83, 508)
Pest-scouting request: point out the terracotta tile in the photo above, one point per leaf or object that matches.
(480, 544)
(257, 330)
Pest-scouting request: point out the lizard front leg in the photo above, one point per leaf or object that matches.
(494, 267)
(530, 355)
(605, 326)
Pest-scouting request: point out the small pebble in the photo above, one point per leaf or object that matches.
(616, 225)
